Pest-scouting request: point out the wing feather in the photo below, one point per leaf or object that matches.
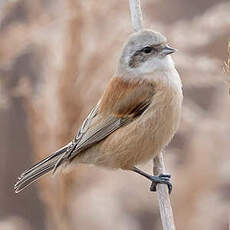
(99, 125)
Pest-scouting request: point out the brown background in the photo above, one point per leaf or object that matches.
(55, 59)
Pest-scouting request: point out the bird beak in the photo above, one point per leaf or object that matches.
(167, 50)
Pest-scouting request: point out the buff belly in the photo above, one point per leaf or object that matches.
(137, 142)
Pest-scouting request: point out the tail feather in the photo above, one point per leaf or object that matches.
(59, 152)
(32, 174)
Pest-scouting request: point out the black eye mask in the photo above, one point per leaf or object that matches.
(144, 54)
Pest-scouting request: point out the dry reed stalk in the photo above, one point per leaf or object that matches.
(58, 98)
(163, 196)
(159, 167)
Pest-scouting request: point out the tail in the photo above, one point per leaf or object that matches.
(32, 174)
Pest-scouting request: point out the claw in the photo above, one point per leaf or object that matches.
(167, 175)
(161, 179)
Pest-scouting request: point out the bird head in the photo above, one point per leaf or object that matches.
(145, 52)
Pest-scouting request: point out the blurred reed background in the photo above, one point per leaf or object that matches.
(55, 59)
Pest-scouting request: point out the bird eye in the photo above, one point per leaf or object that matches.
(147, 49)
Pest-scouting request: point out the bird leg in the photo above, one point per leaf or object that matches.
(161, 179)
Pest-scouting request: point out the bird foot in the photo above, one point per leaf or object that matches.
(161, 179)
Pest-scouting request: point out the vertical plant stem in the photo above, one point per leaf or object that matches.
(159, 167)
(136, 15)
(163, 196)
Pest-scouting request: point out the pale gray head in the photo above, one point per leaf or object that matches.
(145, 52)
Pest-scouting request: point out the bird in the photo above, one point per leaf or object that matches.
(134, 120)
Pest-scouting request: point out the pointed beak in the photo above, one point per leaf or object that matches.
(167, 50)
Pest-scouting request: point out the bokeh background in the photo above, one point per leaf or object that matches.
(56, 56)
